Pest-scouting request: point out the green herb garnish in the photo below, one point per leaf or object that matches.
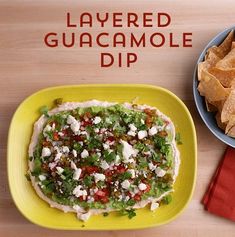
(44, 110)
(178, 139)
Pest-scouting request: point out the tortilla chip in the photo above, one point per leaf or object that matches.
(231, 132)
(224, 76)
(224, 48)
(230, 124)
(211, 88)
(219, 122)
(228, 62)
(232, 85)
(218, 104)
(229, 107)
(233, 45)
(210, 107)
(210, 61)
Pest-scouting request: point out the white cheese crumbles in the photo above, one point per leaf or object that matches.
(84, 153)
(80, 192)
(94, 157)
(142, 134)
(99, 177)
(46, 152)
(128, 152)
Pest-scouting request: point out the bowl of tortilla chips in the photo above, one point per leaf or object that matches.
(214, 86)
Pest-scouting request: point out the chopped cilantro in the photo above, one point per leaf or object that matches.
(125, 175)
(130, 213)
(44, 110)
(109, 156)
(58, 101)
(27, 176)
(105, 214)
(178, 138)
(88, 181)
(167, 199)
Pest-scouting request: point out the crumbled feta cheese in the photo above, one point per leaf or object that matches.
(75, 127)
(160, 172)
(42, 177)
(117, 159)
(99, 177)
(73, 166)
(46, 152)
(59, 169)
(85, 216)
(77, 174)
(90, 200)
(65, 149)
(53, 126)
(132, 171)
(71, 119)
(79, 192)
(75, 154)
(84, 154)
(131, 133)
(52, 165)
(142, 186)
(58, 156)
(105, 146)
(132, 127)
(97, 120)
(98, 154)
(154, 206)
(102, 130)
(104, 165)
(127, 198)
(77, 208)
(152, 131)
(125, 184)
(152, 167)
(142, 134)
(96, 130)
(84, 133)
(61, 134)
(147, 153)
(128, 151)
(48, 128)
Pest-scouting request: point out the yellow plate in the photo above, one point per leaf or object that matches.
(39, 212)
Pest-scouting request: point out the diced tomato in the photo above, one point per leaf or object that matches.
(108, 173)
(102, 195)
(78, 138)
(65, 131)
(148, 188)
(56, 136)
(110, 139)
(81, 198)
(104, 199)
(121, 169)
(148, 121)
(87, 115)
(137, 197)
(86, 123)
(148, 111)
(46, 143)
(92, 169)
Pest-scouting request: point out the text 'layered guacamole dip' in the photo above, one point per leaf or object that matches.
(96, 157)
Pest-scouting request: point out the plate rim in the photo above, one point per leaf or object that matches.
(146, 86)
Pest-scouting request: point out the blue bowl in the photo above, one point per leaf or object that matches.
(207, 117)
